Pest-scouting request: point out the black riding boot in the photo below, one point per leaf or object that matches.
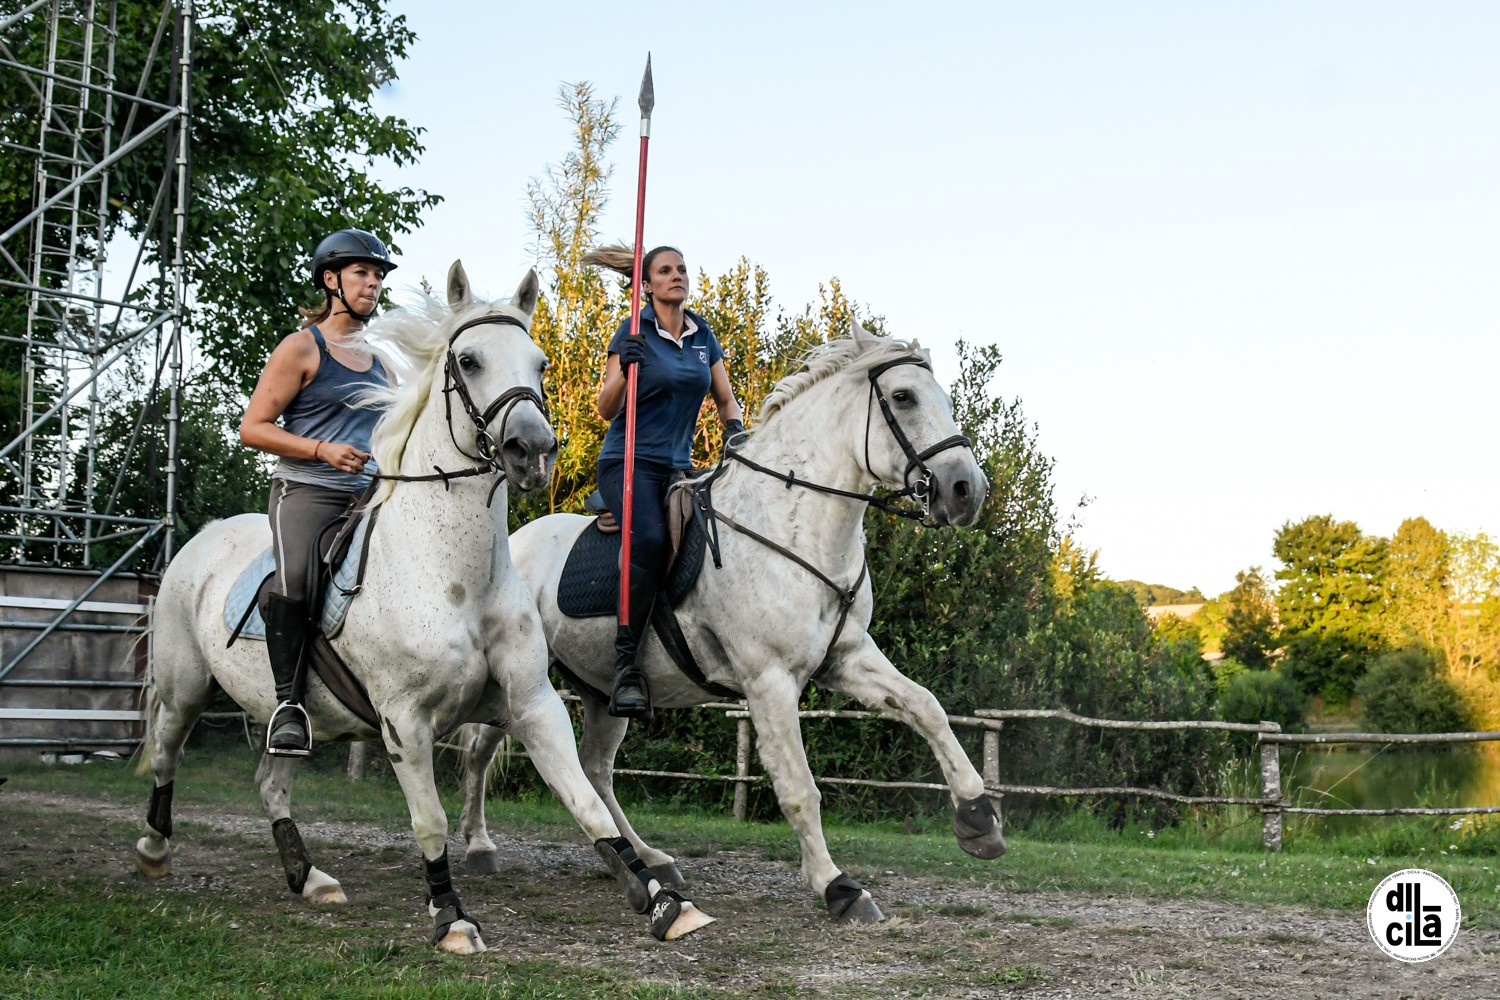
(630, 696)
(289, 731)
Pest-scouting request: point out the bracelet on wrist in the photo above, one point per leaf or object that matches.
(316, 448)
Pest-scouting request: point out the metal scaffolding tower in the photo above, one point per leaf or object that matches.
(104, 286)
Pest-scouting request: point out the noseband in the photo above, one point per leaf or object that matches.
(453, 383)
(921, 490)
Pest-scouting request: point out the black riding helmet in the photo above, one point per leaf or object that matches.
(345, 247)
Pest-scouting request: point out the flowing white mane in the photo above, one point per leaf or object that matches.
(826, 360)
(417, 338)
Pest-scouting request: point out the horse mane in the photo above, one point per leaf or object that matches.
(828, 359)
(417, 336)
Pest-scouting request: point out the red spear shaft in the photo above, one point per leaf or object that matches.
(647, 102)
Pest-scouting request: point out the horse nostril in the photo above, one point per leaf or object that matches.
(961, 489)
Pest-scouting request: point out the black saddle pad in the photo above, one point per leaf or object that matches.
(590, 583)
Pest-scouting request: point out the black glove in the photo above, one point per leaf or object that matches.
(632, 352)
(734, 433)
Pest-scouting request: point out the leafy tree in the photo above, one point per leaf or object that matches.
(581, 308)
(1417, 574)
(1332, 594)
(283, 138)
(283, 132)
(1474, 580)
(1253, 696)
(1250, 634)
(1406, 692)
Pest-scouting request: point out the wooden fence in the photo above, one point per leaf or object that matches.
(1269, 740)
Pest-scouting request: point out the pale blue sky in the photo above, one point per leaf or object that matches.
(1241, 258)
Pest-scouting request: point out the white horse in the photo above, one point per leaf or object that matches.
(792, 601)
(444, 632)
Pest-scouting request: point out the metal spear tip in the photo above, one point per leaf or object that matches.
(648, 95)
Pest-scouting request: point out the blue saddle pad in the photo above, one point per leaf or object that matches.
(336, 602)
(590, 583)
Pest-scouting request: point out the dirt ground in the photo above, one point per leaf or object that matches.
(551, 900)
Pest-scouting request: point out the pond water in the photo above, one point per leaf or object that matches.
(1382, 777)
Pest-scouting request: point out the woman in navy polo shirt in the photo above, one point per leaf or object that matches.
(680, 361)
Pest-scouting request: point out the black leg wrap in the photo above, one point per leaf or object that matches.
(975, 818)
(439, 877)
(159, 814)
(442, 898)
(665, 909)
(293, 853)
(641, 886)
(842, 893)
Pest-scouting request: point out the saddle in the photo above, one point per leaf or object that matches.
(589, 586)
(336, 578)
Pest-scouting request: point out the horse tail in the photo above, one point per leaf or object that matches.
(150, 702)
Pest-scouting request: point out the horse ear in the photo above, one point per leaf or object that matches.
(861, 336)
(458, 285)
(527, 293)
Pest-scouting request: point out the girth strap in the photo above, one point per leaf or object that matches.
(664, 620)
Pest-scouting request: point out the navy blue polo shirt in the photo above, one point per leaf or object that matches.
(670, 386)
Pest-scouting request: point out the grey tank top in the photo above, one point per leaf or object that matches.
(326, 410)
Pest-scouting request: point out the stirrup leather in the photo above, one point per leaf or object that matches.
(289, 706)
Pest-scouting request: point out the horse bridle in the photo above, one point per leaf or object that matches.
(454, 384)
(921, 490)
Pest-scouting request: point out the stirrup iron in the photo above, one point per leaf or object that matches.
(304, 751)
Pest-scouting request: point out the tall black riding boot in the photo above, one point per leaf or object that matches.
(289, 731)
(630, 696)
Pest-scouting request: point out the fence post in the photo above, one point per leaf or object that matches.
(1270, 789)
(991, 763)
(741, 768)
(357, 754)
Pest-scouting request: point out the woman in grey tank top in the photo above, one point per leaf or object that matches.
(323, 442)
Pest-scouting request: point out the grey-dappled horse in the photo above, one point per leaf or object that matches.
(792, 601)
(443, 633)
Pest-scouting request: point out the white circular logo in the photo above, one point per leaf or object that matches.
(1413, 915)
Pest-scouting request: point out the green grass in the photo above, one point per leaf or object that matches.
(72, 941)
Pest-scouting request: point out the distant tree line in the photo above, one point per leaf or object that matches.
(1404, 629)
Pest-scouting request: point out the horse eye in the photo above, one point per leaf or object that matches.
(467, 362)
(901, 396)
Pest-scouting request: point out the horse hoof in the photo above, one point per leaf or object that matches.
(690, 919)
(322, 889)
(674, 916)
(987, 848)
(860, 911)
(482, 863)
(462, 939)
(153, 862)
(976, 824)
(669, 875)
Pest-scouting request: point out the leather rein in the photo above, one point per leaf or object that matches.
(921, 491)
(484, 443)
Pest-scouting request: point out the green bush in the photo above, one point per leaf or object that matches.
(1262, 696)
(1404, 692)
